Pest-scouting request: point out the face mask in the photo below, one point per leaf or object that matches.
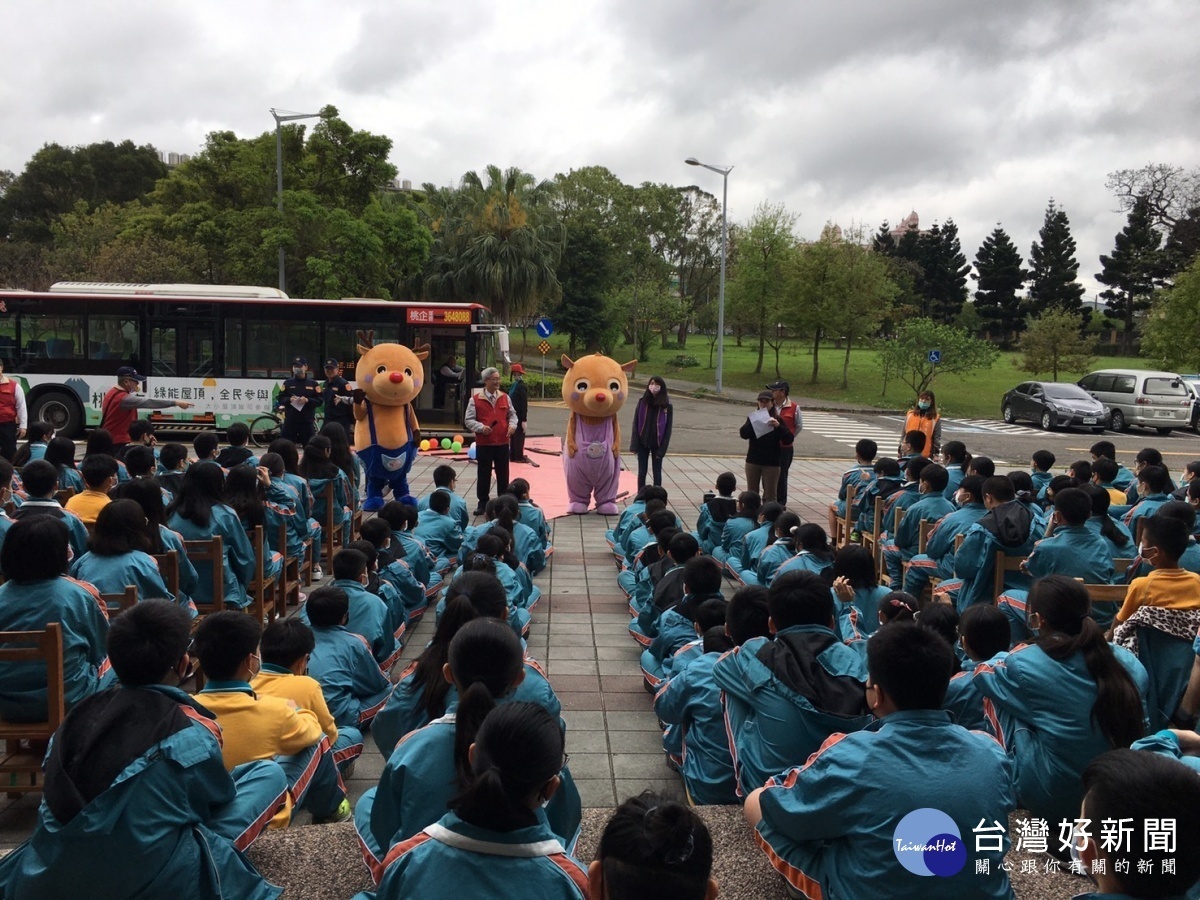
(654, 389)
(296, 370)
(923, 404)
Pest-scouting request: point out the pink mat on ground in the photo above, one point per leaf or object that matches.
(547, 484)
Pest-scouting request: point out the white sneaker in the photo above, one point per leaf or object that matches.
(317, 574)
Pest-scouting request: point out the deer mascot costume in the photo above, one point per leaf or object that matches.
(386, 431)
(594, 389)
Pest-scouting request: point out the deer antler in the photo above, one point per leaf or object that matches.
(366, 338)
(419, 347)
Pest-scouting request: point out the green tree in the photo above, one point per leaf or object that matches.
(1053, 268)
(1054, 342)
(1171, 331)
(945, 271)
(905, 355)
(1183, 241)
(883, 242)
(759, 288)
(1134, 270)
(586, 274)
(1000, 277)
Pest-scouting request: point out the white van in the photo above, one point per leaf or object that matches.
(1158, 400)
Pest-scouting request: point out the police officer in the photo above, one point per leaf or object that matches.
(338, 398)
(299, 399)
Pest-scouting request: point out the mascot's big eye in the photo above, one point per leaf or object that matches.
(581, 386)
(614, 386)
(379, 370)
(408, 372)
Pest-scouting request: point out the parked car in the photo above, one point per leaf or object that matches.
(1193, 384)
(1148, 399)
(1054, 404)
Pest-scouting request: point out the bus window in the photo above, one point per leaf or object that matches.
(52, 337)
(233, 346)
(271, 347)
(162, 351)
(112, 337)
(341, 341)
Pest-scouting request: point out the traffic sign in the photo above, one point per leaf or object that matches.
(544, 327)
(543, 348)
(935, 356)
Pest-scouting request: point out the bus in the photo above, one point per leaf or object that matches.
(226, 348)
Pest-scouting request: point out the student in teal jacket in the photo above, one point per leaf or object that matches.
(198, 514)
(677, 624)
(439, 530)
(931, 507)
(736, 528)
(938, 559)
(742, 562)
(342, 663)
(117, 556)
(368, 616)
(716, 511)
(445, 480)
(857, 589)
(983, 637)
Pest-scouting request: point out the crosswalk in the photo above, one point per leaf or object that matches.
(975, 426)
(846, 430)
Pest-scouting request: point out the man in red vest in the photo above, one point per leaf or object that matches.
(120, 406)
(14, 418)
(493, 420)
(790, 418)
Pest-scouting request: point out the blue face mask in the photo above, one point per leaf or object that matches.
(922, 404)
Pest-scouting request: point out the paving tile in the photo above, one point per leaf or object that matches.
(666, 788)
(638, 742)
(572, 667)
(638, 765)
(594, 793)
(581, 742)
(571, 683)
(580, 700)
(628, 653)
(631, 701)
(590, 765)
(584, 720)
(622, 683)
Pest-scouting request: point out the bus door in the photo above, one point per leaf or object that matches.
(184, 346)
(441, 398)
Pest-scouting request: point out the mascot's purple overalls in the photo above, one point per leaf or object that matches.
(593, 469)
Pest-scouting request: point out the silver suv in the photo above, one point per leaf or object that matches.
(1158, 400)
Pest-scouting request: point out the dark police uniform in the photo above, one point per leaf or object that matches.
(340, 412)
(298, 424)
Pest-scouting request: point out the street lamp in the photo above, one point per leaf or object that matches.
(281, 117)
(724, 173)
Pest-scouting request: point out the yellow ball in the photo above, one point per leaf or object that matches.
(424, 445)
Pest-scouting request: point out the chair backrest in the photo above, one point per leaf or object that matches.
(1121, 564)
(256, 541)
(63, 495)
(923, 530)
(1137, 530)
(168, 569)
(121, 602)
(1107, 593)
(1004, 563)
(211, 553)
(29, 646)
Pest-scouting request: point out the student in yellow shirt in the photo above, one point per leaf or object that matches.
(1164, 540)
(266, 727)
(286, 645)
(99, 477)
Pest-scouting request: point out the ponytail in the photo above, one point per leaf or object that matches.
(1068, 628)
(474, 704)
(786, 526)
(898, 606)
(812, 537)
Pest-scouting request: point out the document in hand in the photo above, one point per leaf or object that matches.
(760, 420)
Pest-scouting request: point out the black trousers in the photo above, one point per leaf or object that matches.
(487, 458)
(297, 430)
(785, 462)
(647, 456)
(516, 444)
(8, 440)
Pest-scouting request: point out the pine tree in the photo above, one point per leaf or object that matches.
(1183, 242)
(883, 242)
(1135, 269)
(945, 272)
(1054, 269)
(1000, 277)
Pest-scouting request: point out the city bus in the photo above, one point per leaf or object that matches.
(227, 349)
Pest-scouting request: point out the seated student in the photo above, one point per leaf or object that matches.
(931, 507)
(147, 494)
(1057, 483)
(496, 546)
(708, 614)
(676, 624)
(633, 578)
(281, 506)
(857, 589)
(172, 464)
(1070, 548)
(495, 837)
(395, 571)
(780, 549)
(140, 462)
(6, 496)
(1146, 457)
(34, 560)
(813, 553)
(503, 510)
(99, 475)
(41, 481)
(983, 636)
(382, 589)
(422, 693)
(1116, 535)
(1104, 471)
(1190, 471)
(911, 446)
(1025, 495)
(141, 434)
(237, 453)
(287, 646)
(531, 514)
(909, 493)
(319, 470)
(1146, 791)
(784, 696)
(291, 478)
(742, 562)
(37, 436)
(204, 446)
(408, 547)
(631, 516)
(669, 590)
(715, 511)
(735, 529)
(1062, 700)
(639, 536)
(1153, 489)
(439, 530)
(156, 812)
(246, 494)
(858, 477)
(653, 847)
(198, 514)
(887, 482)
(118, 556)
(264, 727)
(1007, 526)
(981, 466)
(1165, 540)
(445, 480)
(1040, 464)
(60, 453)
(943, 618)
(1190, 560)
(1108, 450)
(369, 616)
(956, 459)
(341, 663)
(828, 825)
(430, 765)
(518, 618)
(894, 606)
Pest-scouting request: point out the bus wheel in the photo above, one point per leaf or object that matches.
(60, 410)
(263, 430)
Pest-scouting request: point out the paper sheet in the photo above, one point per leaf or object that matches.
(298, 402)
(760, 419)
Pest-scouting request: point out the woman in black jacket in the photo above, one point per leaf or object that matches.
(763, 453)
(652, 429)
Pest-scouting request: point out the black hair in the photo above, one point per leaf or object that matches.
(443, 475)
(653, 847)
(1101, 500)
(518, 750)
(1155, 478)
(327, 606)
(349, 564)
(147, 641)
(1175, 509)
(486, 660)
(982, 466)
(800, 598)
(652, 507)
(1192, 468)
(726, 484)
(99, 441)
(237, 433)
(935, 476)
(1060, 483)
(439, 502)
(6, 474)
(943, 619)
(715, 640)
(40, 478)
(985, 630)
(394, 514)
(1107, 449)
(506, 554)
(288, 452)
(1168, 534)
(1022, 483)
(1143, 787)
(955, 452)
(316, 461)
(201, 490)
(973, 485)
(898, 606)
(35, 549)
(1068, 628)
(915, 466)
(747, 614)
(286, 640)
(339, 449)
(1043, 459)
(273, 463)
(683, 547)
(97, 469)
(915, 440)
(857, 565)
(139, 428)
(1193, 489)
(785, 527)
(147, 494)
(770, 511)
(1081, 469)
(367, 549)
(1149, 456)
(911, 664)
(377, 531)
(223, 640)
(660, 520)
(866, 449)
(502, 510)
(139, 461)
(711, 614)
(36, 433)
(1073, 505)
(663, 538)
(120, 529)
(812, 537)
(60, 452)
(171, 455)
(205, 444)
(1105, 469)
(519, 488)
(886, 467)
(1000, 489)
(245, 495)
(660, 400)
(652, 492)
(702, 576)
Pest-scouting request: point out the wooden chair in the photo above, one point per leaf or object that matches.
(1137, 530)
(332, 526)
(1107, 593)
(265, 601)
(168, 570)
(121, 602)
(209, 553)
(1121, 564)
(923, 528)
(844, 525)
(1004, 563)
(870, 540)
(289, 578)
(64, 495)
(25, 742)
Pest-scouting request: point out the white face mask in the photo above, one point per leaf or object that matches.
(653, 388)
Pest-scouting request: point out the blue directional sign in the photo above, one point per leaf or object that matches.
(544, 327)
(935, 356)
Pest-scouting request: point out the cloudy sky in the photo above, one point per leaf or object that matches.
(853, 111)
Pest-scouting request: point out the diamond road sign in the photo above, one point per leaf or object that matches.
(543, 348)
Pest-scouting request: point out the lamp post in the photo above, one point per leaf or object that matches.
(281, 117)
(724, 173)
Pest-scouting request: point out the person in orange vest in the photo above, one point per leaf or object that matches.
(493, 420)
(923, 417)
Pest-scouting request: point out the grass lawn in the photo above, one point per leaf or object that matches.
(975, 395)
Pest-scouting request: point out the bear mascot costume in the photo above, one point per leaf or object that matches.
(594, 389)
(386, 432)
